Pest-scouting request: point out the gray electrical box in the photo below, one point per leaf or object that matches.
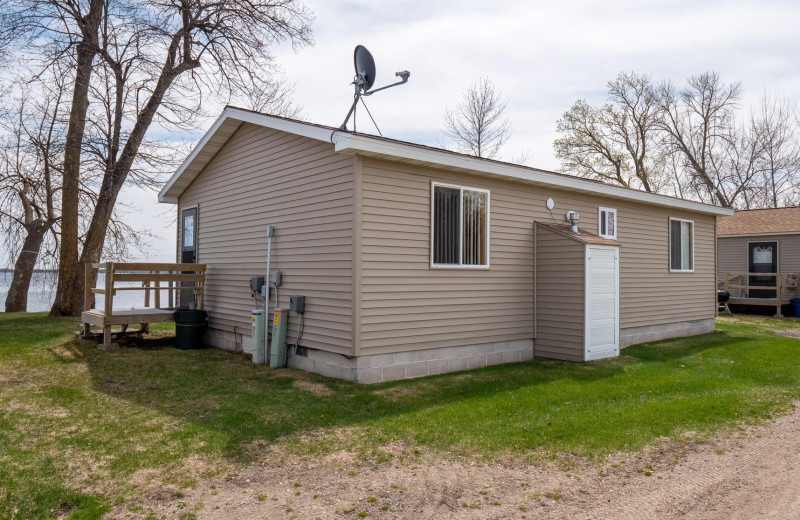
(297, 304)
(277, 277)
(256, 283)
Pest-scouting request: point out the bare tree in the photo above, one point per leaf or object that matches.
(30, 179)
(617, 143)
(164, 58)
(63, 32)
(699, 123)
(779, 163)
(478, 125)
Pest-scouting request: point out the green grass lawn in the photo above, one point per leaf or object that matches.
(82, 429)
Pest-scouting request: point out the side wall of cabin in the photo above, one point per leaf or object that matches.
(302, 187)
(409, 307)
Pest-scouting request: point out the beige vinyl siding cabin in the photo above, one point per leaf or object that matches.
(366, 231)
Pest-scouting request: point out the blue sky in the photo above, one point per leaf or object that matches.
(543, 56)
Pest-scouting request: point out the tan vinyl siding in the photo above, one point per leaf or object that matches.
(560, 296)
(407, 305)
(260, 177)
(732, 255)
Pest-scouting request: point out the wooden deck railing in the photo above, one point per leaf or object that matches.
(151, 275)
(738, 285)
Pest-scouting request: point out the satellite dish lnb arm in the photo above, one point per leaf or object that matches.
(403, 75)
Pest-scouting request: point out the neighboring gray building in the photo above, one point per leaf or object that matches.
(416, 261)
(760, 241)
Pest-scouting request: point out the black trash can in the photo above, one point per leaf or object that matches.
(189, 328)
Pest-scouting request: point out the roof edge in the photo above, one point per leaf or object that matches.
(320, 133)
(764, 234)
(357, 144)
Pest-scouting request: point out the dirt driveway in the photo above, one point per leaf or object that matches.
(754, 473)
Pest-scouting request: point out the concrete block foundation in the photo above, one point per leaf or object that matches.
(405, 365)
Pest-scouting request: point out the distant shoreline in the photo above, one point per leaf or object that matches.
(11, 270)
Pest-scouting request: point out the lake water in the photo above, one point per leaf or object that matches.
(43, 288)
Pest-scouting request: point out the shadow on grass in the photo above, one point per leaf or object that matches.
(225, 393)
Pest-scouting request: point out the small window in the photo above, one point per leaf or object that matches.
(460, 222)
(607, 223)
(681, 245)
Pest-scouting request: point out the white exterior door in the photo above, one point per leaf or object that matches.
(602, 302)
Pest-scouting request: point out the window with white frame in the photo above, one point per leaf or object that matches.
(607, 223)
(460, 226)
(681, 245)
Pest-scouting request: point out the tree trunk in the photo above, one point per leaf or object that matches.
(113, 180)
(17, 297)
(68, 268)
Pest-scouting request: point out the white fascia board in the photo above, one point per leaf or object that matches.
(173, 199)
(355, 144)
(242, 116)
(770, 234)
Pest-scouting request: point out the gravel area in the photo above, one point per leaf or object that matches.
(744, 474)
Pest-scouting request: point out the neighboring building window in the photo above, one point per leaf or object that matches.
(681, 245)
(460, 222)
(607, 223)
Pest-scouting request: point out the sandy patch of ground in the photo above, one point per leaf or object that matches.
(742, 475)
(791, 333)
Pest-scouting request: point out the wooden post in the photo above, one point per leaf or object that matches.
(146, 286)
(109, 296)
(157, 297)
(778, 296)
(200, 291)
(87, 296)
(171, 296)
(727, 282)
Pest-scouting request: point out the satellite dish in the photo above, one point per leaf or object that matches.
(365, 78)
(365, 67)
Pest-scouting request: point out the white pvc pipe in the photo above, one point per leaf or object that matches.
(266, 297)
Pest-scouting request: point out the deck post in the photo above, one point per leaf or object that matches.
(157, 296)
(109, 295)
(109, 304)
(87, 296)
(778, 296)
(146, 285)
(170, 296)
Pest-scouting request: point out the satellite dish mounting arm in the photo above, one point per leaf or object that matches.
(403, 75)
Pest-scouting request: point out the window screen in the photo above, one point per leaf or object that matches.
(681, 254)
(607, 223)
(460, 226)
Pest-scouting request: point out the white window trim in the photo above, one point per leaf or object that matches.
(600, 211)
(669, 251)
(197, 234)
(433, 265)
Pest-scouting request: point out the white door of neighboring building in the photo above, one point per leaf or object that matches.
(602, 302)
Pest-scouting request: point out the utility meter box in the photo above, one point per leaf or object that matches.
(259, 322)
(277, 356)
(297, 304)
(256, 283)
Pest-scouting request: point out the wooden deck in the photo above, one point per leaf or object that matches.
(151, 276)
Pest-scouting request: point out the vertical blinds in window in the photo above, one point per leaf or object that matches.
(460, 230)
(446, 214)
(474, 250)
